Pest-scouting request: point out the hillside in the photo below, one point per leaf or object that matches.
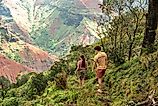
(55, 25)
(16, 44)
(35, 33)
(24, 53)
(131, 83)
(127, 33)
(10, 69)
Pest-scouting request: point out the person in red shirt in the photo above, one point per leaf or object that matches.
(81, 69)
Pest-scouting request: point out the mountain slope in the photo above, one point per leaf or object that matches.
(55, 25)
(16, 44)
(32, 29)
(28, 55)
(10, 69)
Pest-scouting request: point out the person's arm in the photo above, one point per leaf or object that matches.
(106, 60)
(86, 65)
(78, 65)
(94, 64)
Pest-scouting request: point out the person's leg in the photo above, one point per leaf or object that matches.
(99, 76)
(84, 76)
(100, 85)
(80, 82)
(83, 80)
(80, 78)
(100, 79)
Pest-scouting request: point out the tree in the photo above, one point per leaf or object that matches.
(151, 25)
(124, 24)
(4, 86)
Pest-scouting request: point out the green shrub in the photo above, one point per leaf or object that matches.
(4, 83)
(61, 80)
(23, 79)
(13, 101)
(11, 93)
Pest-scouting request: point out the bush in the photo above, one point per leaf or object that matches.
(61, 80)
(13, 101)
(4, 83)
(11, 93)
(23, 79)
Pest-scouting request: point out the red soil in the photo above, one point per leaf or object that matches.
(36, 58)
(10, 69)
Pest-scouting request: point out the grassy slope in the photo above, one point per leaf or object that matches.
(132, 82)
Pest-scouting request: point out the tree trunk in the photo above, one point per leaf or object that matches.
(151, 24)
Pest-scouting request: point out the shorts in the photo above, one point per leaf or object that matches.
(100, 73)
(81, 74)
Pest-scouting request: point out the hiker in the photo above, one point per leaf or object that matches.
(81, 69)
(100, 65)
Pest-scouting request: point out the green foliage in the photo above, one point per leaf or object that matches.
(11, 93)
(13, 101)
(125, 82)
(23, 79)
(61, 80)
(124, 29)
(14, 56)
(4, 83)
(34, 86)
(131, 82)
